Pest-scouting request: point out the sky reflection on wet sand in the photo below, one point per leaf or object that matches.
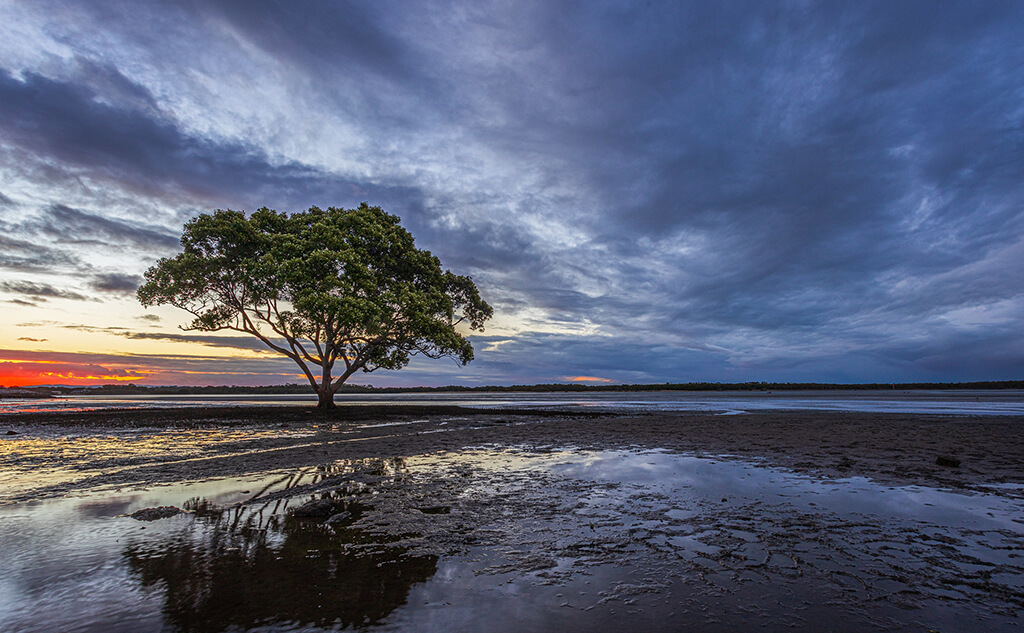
(519, 538)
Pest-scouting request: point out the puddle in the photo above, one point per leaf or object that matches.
(701, 480)
(242, 558)
(516, 539)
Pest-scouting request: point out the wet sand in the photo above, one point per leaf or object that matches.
(895, 448)
(548, 521)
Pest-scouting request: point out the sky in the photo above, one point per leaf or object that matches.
(644, 192)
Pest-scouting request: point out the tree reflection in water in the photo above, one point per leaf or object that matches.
(237, 569)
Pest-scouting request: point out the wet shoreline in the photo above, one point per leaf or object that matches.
(897, 448)
(779, 521)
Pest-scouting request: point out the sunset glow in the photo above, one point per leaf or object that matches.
(20, 373)
(83, 369)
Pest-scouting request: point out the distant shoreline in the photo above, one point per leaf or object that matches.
(126, 390)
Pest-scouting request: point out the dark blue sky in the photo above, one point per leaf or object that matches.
(654, 192)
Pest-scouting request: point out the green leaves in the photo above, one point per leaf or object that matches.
(344, 284)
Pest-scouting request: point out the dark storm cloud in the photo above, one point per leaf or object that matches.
(25, 256)
(39, 292)
(734, 191)
(147, 152)
(210, 340)
(820, 159)
(318, 34)
(76, 226)
(781, 135)
(116, 283)
(108, 83)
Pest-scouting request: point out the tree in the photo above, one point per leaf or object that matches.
(319, 287)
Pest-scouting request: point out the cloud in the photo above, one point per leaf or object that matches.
(39, 292)
(320, 36)
(76, 226)
(117, 284)
(24, 256)
(234, 342)
(92, 328)
(146, 152)
(732, 191)
(210, 340)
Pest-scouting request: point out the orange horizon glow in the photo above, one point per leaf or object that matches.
(586, 379)
(21, 376)
(24, 374)
(40, 368)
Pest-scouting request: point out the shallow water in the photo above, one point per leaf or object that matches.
(516, 539)
(42, 458)
(974, 402)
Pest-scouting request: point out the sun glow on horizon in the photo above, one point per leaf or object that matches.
(87, 369)
(27, 373)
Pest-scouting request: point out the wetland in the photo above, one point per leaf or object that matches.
(447, 518)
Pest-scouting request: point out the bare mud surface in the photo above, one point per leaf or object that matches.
(110, 448)
(529, 520)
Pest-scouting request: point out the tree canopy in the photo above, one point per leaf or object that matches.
(320, 287)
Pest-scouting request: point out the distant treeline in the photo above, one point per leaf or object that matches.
(717, 386)
(125, 390)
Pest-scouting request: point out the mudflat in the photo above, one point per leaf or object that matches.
(220, 441)
(515, 519)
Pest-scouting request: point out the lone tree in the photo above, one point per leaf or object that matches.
(320, 287)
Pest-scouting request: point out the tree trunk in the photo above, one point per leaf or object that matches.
(325, 399)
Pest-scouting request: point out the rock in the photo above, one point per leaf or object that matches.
(339, 517)
(949, 462)
(314, 509)
(154, 514)
(11, 433)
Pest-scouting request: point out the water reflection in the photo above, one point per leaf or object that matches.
(42, 457)
(262, 563)
(540, 540)
(288, 571)
(278, 550)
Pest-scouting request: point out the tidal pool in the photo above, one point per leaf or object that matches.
(511, 539)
